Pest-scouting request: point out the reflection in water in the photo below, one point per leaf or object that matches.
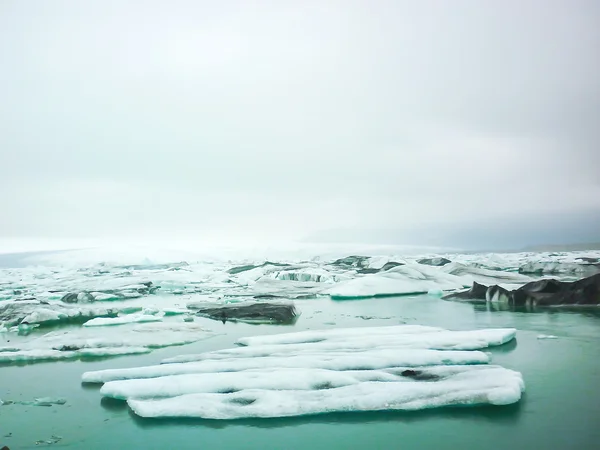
(586, 310)
(113, 404)
(504, 348)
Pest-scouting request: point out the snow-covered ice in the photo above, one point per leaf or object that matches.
(495, 386)
(130, 318)
(95, 342)
(312, 372)
(371, 359)
(401, 280)
(363, 340)
(547, 336)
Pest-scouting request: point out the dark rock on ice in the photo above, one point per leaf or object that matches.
(553, 292)
(257, 312)
(477, 292)
(240, 269)
(419, 375)
(390, 265)
(498, 294)
(352, 262)
(588, 260)
(387, 266)
(438, 262)
(367, 271)
(548, 292)
(80, 297)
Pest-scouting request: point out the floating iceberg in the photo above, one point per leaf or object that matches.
(485, 276)
(400, 280)
(313, 372)
(491, 385)
(363, 339)
(83, 342)
(371, 360)
(132, 318)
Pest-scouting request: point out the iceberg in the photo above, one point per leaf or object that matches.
(485, 276)
(370, 360)
(400, 280)
(275, 379)
(132, 318)
(361, 341)
(35, 355)
(83, 342)
(492, 385)
(405, 367)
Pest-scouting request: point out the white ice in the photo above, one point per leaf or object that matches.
(362, 340)
(485, 276)
(275, 379)
(371, 359)
(95, 341)
(130, 318)
(492, 385)
(401, 280)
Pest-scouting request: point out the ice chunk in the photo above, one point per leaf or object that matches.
(360, 342)
(42, 315)
(400, 280)
(132, 318)
(276, 378)
(581, 268)
(547, 336)
(49, 401)
(96, 342)
(371, 359)
(492, 385)
(35, 355)
(46, 313)
(485, 276)
(113, 351)
(337, 333)
(250, 312)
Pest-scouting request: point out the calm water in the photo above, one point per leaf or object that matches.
(560, 409)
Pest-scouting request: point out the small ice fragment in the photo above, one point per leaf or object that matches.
(49, 401)
(547, 336)
(133, 318)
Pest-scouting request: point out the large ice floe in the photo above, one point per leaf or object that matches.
(314, 372)
(127, 339)
(400, 280)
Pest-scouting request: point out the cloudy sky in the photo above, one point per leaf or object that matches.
(288, 119)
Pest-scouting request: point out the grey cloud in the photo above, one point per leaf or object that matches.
(285, 118)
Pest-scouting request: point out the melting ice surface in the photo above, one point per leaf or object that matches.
(87, 289)
(76, 304)
(313, 372)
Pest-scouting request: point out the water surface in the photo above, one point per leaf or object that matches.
(559, 410)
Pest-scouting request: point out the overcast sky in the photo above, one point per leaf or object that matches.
(248, 120)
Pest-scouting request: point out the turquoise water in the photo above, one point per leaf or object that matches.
(560, 409)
